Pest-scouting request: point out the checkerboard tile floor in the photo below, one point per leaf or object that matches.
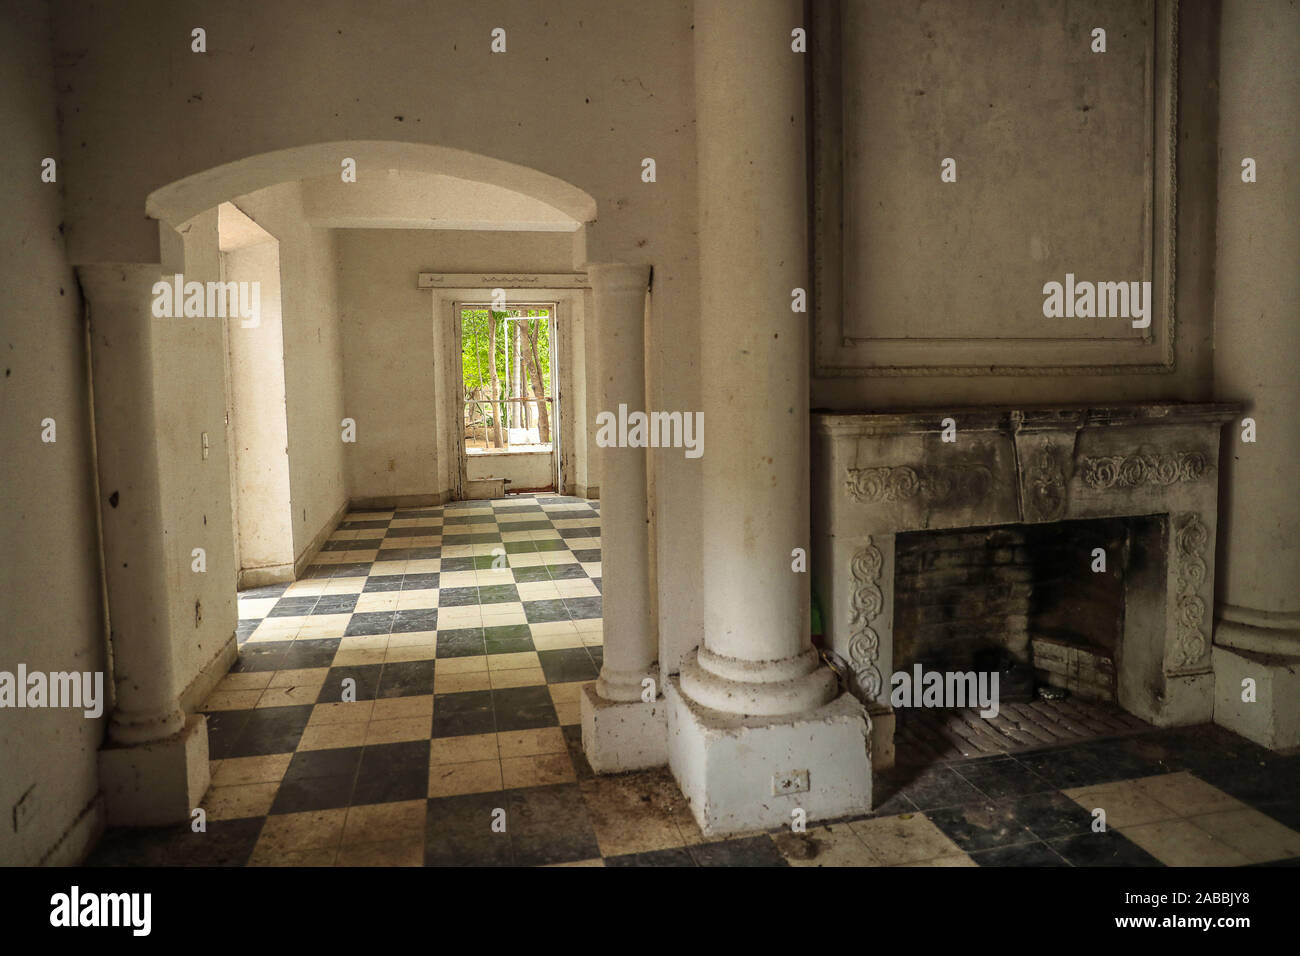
(425, 673)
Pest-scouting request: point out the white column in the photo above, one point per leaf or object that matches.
(757, 729)
(1256, 341)
(757, 656)
(621, 730)
(630, 653)
(154, 767)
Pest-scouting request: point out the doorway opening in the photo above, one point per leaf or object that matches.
(509, 411)
(256, 424)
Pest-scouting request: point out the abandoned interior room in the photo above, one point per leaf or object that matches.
(359, 507)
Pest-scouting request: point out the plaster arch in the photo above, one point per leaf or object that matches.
(185, 198)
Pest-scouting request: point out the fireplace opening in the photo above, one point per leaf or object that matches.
(1076, 610)
(1043, 607)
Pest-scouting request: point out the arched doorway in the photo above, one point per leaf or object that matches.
(290, 196)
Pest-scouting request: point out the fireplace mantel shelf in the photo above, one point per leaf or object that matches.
(1006, 418)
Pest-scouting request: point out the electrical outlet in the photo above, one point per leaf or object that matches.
(796, 781)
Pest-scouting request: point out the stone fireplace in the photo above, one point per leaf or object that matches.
(982, 552)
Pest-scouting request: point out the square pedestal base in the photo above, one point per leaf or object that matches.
(619, 736)
(747, 773)
(882, 738)
(159, 782)
(1272, 719)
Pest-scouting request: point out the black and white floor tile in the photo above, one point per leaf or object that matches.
(425, 674)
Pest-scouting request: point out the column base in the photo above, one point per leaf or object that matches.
(623, 735)
(1272, 720)
(727, 766)
(793, 685)
(159, 782)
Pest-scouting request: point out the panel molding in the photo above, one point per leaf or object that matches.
(838, 355)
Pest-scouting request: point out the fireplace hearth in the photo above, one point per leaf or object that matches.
(928, 736)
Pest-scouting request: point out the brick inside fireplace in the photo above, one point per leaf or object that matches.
(1033, 602)
(961, 603)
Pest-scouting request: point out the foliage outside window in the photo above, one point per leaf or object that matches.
(506, 370)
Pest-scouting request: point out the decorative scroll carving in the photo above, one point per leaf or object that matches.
(966, 483)
(1129, 471)
(1044, 485)
(867, 601)
(1191, 537)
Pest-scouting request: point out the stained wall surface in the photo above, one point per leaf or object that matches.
(257, 399)
(47, 523)
(399, 350)
(584, 93)
(313, 364)
(1064, 160)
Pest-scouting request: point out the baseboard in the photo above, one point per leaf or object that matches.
(385, 502)
(193, 696)
(309, 553)
(260, 577)
(591, 494)
(79, 838)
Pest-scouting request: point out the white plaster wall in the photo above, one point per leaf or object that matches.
(189, 382)
(524, 470)
(50, 610)
(993, 151)
(409, 201)
(313, 366)
(189, 379)
(262, 488)
(586, 91)
(397, 352)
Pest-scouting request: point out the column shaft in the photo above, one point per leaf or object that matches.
(757, 655)
(1256, 340)
(630, 643)
(1257, 337)
(147, 700)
